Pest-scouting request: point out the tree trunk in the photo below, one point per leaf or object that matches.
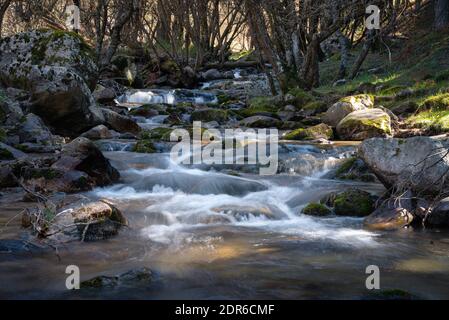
(363, 54)
(441, 14)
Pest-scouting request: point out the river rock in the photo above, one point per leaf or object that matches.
(33, 129)
(103, 94)
(132, 277)
(412, 163)
(316, 209)
(321, 131)
(100, 132)
(391, 215)
(345, 106)
(58, 70)
(87, 222)
(365, 124)
(83, 155)
(207, 115)
(9, 153)
(212, 74)
(10, 112)
(119, 122)
(260, 122)
(353, 203)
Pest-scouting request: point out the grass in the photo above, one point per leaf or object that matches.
(434, 120)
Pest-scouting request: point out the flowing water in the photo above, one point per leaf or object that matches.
(207, 234)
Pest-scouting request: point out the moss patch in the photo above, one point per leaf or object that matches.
(353, 202)
(144, 146)
(6, 154)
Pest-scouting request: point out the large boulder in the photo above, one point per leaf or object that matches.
(345, 106)
(120, 123)
(365, 124)
(33, 129)
(83, 155)
(58, 70)
(419, 163)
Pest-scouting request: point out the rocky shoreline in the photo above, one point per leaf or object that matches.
(55, 115)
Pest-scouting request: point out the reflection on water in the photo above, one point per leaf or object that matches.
(211, 235)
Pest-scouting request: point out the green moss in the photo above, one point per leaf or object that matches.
(319, 106)
(435, 121)
(316, 209)
(321, 131)
(46, 173)
(157, 134)
(302, 98)
(266, 105)
(436, 102)
(345, 167)
(240, 55)
(353, 202)
(144, 146)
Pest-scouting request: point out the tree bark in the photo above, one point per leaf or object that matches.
(441, 14)
(3, 7)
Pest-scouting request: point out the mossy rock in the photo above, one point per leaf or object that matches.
(161, 133)
(262, 104)
(207, 115)
(46, 173)
(144, 146)
(321, 131)
(353, 203)
(365, 124)
(316, 209)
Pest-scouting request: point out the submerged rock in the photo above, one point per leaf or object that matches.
(87, 222)
(132, 277)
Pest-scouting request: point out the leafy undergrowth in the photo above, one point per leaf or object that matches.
(417, 75)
